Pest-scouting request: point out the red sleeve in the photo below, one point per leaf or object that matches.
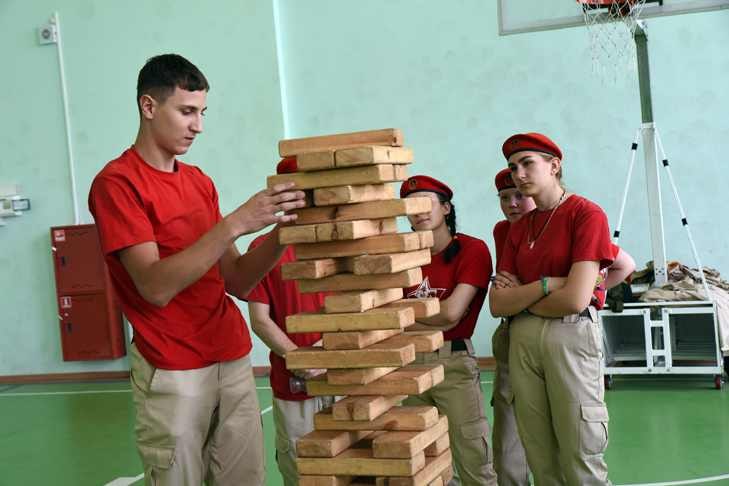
(261, 292)
(474, 267)
(501, 229)
(119, 214)
(507, 261)
(591, 241)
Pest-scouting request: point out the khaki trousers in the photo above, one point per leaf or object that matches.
(459, 397)
(510, 460)
(293, 420)
(195, 425)
(555, 367)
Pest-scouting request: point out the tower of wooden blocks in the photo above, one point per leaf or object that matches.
(347, 245)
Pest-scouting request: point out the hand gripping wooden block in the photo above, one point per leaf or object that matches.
(371, 174)
(374, 245)
(378, 355)
(373, 319)
(359, 301)
(425, 307)
(397, 418)
(407, 444)
(387, 136)
(345, 230)
(356, 340)
(392, 263)
(435, 467)
(348, 281)
(327, 443)
(354, 156)
(365, 210)
(359, 462)
(342, 195)
(411, 380)
(365, 408)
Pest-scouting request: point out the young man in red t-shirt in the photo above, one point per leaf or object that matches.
(458, 274)
(269, 303)
(173, 261)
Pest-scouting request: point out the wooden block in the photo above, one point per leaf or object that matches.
(366, 210)
(352, 194)
(390, 263)
(370, 174)
(315, 161)
(356, 340)
(315, 268)
(360, 376)
(349, 281)
(373, 154)
(435, 467)
(375, 356)
(359, 301)
(397, 418)
(306, 480)
(424, 341)
(375, 245)
(439, 446)
(359, 462)
(425, 307)
(327, 443)
(370, 320)
(407, 444)
(344, 230)
(411, 380)
(387, 136)
(365, 408)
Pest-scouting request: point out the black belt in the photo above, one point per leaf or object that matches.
(458, 345)
(585, 312)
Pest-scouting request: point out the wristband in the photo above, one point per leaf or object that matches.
(545, 286)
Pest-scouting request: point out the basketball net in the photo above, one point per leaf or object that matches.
(611, 25)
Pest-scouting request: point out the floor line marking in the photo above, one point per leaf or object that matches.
(487, 382)
(80, 392)
(677, 483)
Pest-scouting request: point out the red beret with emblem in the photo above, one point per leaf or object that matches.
(425, 183)
(503, 180)
(535, 142)
(286, 166)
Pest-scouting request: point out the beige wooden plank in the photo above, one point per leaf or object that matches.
(327, 443)
(435, 467)
(307, 480)
(411, 380)
(390, 263)
(360, 376)
(370, 320)
(369, 174)
(356, 340)
(439, 446)
(424, 341)
(424, 307)
(374, 245)
(315, 268)
(376, 356)
(349, 281)
(315, 161)
(397, 418)
(407, 444)
(373, 154)
(387, 136)
(366, 210)
(344, 230)
(349, 194)
(365, 408)
(359, 462)
(359, 301)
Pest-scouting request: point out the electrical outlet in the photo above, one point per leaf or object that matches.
(47, 34)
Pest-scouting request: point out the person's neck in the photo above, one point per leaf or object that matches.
(441, 239)
(153, 154)
(547, 199)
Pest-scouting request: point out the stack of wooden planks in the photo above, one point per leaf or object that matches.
(347, 245)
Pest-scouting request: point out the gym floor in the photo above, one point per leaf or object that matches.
(662, 431)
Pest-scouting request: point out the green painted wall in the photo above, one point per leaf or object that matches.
(438, 70)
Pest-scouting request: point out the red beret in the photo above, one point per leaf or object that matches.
(503, 180)
(425, 183)
(286, 166)
(530, 141)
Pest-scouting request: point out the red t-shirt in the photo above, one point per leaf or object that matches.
(284, 299)
(600, 294)
(471, 265)
(132, 203)
(577, 232)
(501, 229)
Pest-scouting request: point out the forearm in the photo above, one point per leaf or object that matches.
(253, 265)
(272, 336)
(509, 301)
(558, 304)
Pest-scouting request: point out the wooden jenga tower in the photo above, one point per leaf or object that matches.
(347, 245)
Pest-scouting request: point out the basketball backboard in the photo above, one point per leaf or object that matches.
(521, 16)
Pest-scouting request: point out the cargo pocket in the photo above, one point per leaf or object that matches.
(156, 461)
(476, 433)
(593, 429)
(282, 446)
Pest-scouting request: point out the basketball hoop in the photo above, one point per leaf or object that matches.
(611, 25)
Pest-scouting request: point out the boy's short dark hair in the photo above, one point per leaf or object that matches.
(161, 74)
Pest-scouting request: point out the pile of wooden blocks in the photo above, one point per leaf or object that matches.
(347, 245)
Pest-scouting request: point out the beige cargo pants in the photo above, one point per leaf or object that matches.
(195, 425)
(293, 420)
(555, 367)
(510, 460)
(459, 397)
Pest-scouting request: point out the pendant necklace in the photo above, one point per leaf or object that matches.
(531, 241)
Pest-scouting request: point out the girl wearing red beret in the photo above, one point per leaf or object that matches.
(545, 282)
(458, 275)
